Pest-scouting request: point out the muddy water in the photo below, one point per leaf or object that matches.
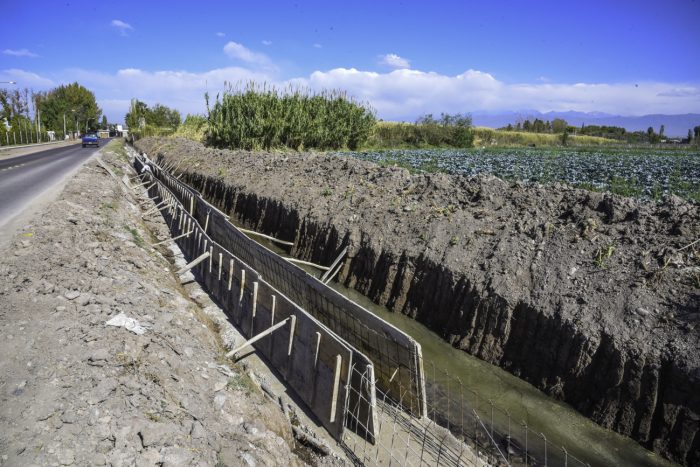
(562, 426)
(560, 423)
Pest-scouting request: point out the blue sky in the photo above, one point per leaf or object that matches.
(406, 58)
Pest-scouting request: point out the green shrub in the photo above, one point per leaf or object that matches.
(194, 127)
(260, 116)
(449, 131)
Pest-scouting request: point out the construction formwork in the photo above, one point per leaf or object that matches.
(310, 357)
(395, 356)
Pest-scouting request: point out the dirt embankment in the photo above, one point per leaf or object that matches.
(74, 390)
(592, 298)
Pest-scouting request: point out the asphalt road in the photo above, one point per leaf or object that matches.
(24, 179)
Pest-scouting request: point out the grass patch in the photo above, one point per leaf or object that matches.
(242, 382)
(136, 236)
(603, 255)
(117, 146)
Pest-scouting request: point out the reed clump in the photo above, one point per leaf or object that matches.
(260, 116)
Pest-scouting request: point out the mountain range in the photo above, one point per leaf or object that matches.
(674, 125)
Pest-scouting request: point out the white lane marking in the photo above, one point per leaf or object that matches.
(12, 167)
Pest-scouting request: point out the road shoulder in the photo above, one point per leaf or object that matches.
(75, 390)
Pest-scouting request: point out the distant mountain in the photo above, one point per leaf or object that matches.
(674, 125)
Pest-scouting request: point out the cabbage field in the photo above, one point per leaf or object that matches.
(640, 172)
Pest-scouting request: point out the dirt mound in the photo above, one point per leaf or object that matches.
(594, 298)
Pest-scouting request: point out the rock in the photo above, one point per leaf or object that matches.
(176, 457)
(220, 399)
(98, 357)
(149, 458)
(83, 300)
(157, 434)
(72, 294)
(69, 418)
(66, 457)
(642, 311)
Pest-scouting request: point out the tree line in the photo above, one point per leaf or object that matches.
(560, 126)
(27, 115)
(158, 119)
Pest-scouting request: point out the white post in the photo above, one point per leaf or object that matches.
(292, 328)
(336, 384)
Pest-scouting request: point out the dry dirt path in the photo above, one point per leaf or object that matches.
(74, 390)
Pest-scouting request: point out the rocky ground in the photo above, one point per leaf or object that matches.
(156, 391)
(594, 298)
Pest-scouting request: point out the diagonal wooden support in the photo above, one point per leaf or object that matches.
(155, 210)
(307, 263)
(335, 273)
(194, 263)
(334, 264)
(272, 239)
(172, 239)
(256, 338)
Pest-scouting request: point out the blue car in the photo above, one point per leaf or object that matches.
(91, 139)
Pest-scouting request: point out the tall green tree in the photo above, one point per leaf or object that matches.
(73, 102)
(104, 122)
(651, 136)
(559, 125)
(159, 116)
(136, 116)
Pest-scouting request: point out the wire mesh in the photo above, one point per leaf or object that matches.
(457, 426)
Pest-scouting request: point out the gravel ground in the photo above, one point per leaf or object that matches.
(74, 390)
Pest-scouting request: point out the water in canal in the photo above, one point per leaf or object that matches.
(483, 384)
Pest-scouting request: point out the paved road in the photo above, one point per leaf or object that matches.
(25, 178)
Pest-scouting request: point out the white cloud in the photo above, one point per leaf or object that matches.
(121, 26)
(266, 43)
(405, 94)
(244, 54)
(394, 61)
(220, 34)
(398, 95)
(317, 46)
(25, 79)
(20, 53)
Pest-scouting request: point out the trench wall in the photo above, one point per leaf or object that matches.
(395, 357)
(648, 398)
(312, 359)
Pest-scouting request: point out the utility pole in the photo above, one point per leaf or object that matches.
(64, 125)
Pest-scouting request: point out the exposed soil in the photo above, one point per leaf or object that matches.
(593, 298)
(74, 390)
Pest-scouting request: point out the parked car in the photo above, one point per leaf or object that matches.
(91, 139)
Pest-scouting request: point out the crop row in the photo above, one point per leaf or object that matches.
(648, 173)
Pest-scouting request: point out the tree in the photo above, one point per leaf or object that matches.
(104, 122)
(559, 125)
(136, 114)
(690, 136)
(661, 131)
(651, 136)
(73, 101)
(160, 116)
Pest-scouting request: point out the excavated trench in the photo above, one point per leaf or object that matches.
(620, 354)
